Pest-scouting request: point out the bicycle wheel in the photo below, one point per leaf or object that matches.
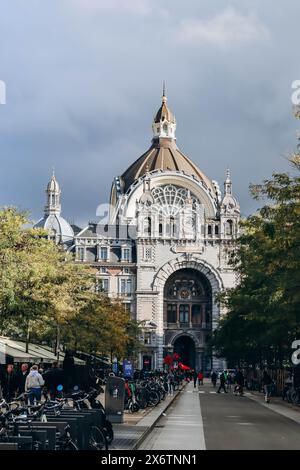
(97, 439)
(109, 432)
(68, 445)
(153, 399)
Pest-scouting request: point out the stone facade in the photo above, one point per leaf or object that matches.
(165, 248)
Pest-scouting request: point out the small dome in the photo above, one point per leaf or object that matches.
(57, 227)
(53, 185)
(164, 114)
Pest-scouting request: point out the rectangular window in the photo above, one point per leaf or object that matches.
(126, 286)
(172, 313)
(80, 253)
(103, 285)
(209, 230)
(126, 254)
(147, 337)
(148, 254)
(103, 253)
(184, 314)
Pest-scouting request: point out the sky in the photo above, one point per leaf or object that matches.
(84, 80)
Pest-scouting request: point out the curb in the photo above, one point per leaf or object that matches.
(147, 432)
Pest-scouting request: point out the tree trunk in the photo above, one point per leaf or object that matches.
(27, 337)
(57, 346)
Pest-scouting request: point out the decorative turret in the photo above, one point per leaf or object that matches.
(53, 197)
(229, 204)
(164, 124)
(57, 227)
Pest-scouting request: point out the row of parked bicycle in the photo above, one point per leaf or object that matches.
(147, 393)
(74, 422)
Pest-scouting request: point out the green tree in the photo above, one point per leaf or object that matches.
(263, 311)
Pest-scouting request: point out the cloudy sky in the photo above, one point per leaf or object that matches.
(84, 78)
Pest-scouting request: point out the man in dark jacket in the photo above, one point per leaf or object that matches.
(9, 383)
(21, 378)
(240, 381)
(53, 378)
(222, 383)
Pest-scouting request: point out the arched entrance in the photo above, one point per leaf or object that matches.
(185, 347)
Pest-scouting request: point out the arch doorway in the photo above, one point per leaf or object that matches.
(185, 347)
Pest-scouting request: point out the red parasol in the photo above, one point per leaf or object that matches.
(183, 367)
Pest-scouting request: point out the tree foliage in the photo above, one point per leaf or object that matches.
(263, 311)
(46, 296)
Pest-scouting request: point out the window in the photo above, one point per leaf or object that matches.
(103, 253)
(126, 252)
(147, 226)
(229, 227)
(148, 254)
(80, 253)
(216, 230)
(160, 229)
(103, 285)
(196, 315)
(103, 269)
(184, 314)
(147, 337)
(172, 313)
(126, 286)
(209, 230)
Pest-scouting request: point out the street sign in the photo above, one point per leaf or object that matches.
(128, 370)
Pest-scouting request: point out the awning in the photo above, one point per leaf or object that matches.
(36, 353)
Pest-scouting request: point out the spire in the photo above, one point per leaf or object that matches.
(164, 98)
(53, 196)
(164, 124)
(228, 183)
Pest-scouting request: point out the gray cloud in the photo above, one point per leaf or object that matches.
(84, 77)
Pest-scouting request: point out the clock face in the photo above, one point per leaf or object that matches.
(184, 294)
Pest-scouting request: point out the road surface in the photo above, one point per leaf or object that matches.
(200, 420)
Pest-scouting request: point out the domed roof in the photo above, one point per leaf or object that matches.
(57, 227)
(163, 155)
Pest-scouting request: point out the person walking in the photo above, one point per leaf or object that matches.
(195, 377)
(214, 378)
(9, 383)
(267, 385)
(21, 378)
(53, 377)
(33, 385)
(170, 379)
(222, 383)
(239, 380)
(200, 378)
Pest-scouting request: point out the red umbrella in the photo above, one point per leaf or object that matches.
(183, 367)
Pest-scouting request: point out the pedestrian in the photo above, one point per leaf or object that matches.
(9, 383)
(239, 381)
(21, 378)
(53, 377)
(195, 377)
(200, 378)
(267, 385)
(170, 379)
(213, 378)
(69, 370)
(33, 385)
(222, 383)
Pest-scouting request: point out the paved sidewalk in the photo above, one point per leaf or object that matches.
(135, 428)
(182, 427)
